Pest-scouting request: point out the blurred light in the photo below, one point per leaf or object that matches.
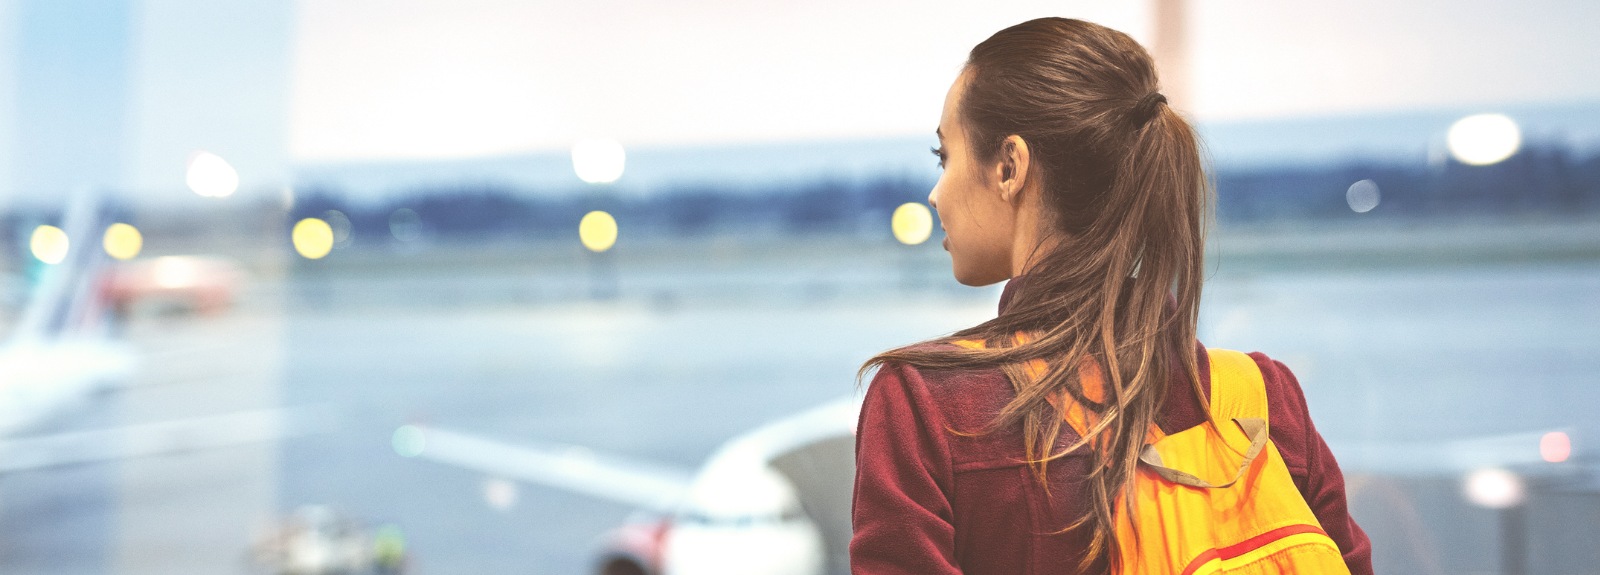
(598, 231)
(172, 272)
(389, 548)
(1362, 196)
(405, 225)
(122, 241)
(340, 225)
(1483, 139)
(1555, 447)
(912, 223)
(313, 238)
(499, 493)
(598, 161)
(211, 176)
(1493, 488)
(409, 441)
(49, 244)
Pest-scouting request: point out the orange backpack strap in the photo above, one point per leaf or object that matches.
(1238, 394)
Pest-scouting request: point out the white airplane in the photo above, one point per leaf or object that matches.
(775, 500)
(60, 352)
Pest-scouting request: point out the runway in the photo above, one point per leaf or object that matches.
(1420, 354)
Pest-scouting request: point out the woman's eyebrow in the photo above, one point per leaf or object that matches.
(939, 132)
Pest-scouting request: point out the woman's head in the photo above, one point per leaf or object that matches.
(1045, 121)
(1063, 162)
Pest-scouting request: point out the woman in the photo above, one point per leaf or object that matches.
(1065, 172)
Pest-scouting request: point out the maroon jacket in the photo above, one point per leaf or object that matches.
(929, 501)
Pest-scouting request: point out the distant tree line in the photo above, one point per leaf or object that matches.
(1539, 181)
(484, 212)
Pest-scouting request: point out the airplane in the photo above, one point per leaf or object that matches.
(63, 353)
(60, 352)
(773, 500)
(776, 500)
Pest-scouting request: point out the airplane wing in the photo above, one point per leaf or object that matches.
(39, 380)
(568, 467)
(161, 438)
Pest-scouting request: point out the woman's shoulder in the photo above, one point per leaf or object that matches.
(1283, 389)
(1287, 413)
(964, 397)
(938, 381)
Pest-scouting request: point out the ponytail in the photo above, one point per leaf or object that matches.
(1120, 290)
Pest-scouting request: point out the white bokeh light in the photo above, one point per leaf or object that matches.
(499, 493)
(598, 161)
(173, 272)
(209, 175)
(1493, 488)
(1483, 139)
(1362, 196)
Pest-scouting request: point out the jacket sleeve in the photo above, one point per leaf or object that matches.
(901, 513)
(1311, 464)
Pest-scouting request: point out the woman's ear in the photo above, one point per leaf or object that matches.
(1013, 168)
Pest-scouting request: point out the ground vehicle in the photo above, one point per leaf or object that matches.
(204, 284)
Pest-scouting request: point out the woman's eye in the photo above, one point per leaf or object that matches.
(938, 153)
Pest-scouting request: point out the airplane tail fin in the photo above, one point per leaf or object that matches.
(66, 301)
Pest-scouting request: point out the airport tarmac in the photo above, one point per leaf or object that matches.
(1422, 354)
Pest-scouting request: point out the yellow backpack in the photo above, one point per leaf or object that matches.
(1212, 499)
(1223, 503)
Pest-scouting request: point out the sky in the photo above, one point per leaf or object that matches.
(398, 79)
(277, 87)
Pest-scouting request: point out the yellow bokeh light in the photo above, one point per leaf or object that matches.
(49, 244)
(313, 238)
(122, 241)
(598, 231)
(912, 223)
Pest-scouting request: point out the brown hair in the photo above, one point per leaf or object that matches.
(1121, 177)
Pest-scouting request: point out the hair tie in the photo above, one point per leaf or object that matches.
(1146, 108)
